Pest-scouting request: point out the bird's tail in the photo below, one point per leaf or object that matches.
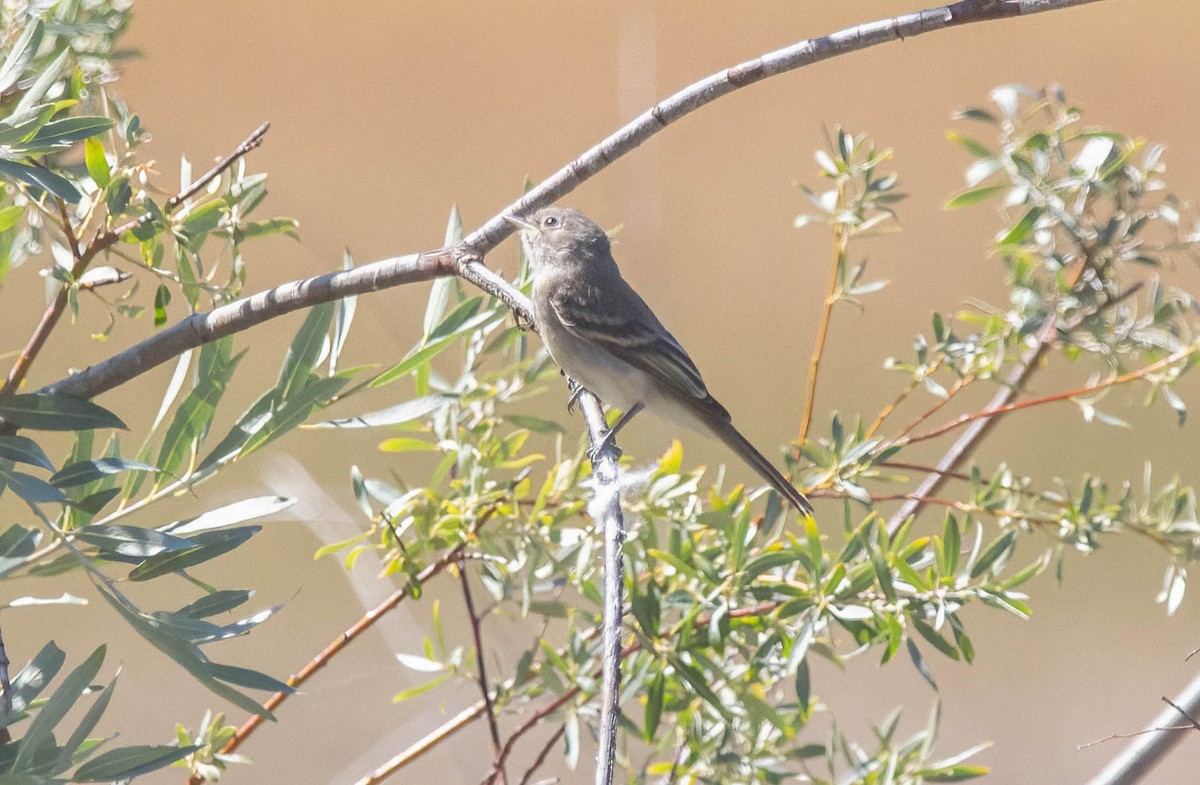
(765, 468)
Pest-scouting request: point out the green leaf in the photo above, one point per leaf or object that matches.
(803, 686)
(920, 663)
(21, 54)
(416, 409)
(192, 419)
(96, 162)
(16, 544)
(211, 545)
(56, 413)
(439, 295)
(251, 679)
(216, 602)
(953, 773)
(132, 541)
(342, 320)
(87, 724)
(972, 146)
(69, 130)
(9, 217)
(41, 178)
(34, 490)
(31, 101)
(128, 762)
(230, 514)
(975, 196)
(83, 472)
(699, 684)
(23, 450)
(406, 444)
(162, 298)
(421, 689)
(182, 651)
(936, 638)
(1023, 229)
(654, 705)
(999, 547)
(32, 680)
(40, 736)
(305, 351)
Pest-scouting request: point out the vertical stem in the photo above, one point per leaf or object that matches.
(840, 242)
(489, 709)
(606, 510)
(6, 687)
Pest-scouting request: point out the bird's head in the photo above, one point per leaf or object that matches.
(561, 237)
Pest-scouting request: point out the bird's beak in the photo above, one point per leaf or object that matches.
(519, 222)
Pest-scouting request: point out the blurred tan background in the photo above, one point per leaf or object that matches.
(384, 114)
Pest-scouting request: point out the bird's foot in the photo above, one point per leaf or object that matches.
(605, 443)
(576, 390)
(524, 323)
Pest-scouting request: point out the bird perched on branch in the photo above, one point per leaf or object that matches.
(605, 337)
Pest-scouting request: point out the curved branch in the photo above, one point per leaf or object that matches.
(465, 259)
(201, 328)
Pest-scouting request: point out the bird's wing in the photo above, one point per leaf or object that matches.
(618, 321)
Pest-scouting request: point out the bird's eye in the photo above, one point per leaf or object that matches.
(549, 221)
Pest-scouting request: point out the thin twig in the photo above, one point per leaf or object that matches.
(530, 723)
(1133, 735)
(424, 744)
(891, 407)
(541, 758)
(475, 711)
(1186, 714)
(490, 710)
(993, 411)
(72, 242)
(336, 645)
(6, 703)
(1144, 753)
(84, 257)
(937, 407)
(977, 430)
(841, 239)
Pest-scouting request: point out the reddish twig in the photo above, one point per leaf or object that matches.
(1062, 396)
(104, 240)
(841, 241)
(325, 655)
(489, 709)
(541, 758)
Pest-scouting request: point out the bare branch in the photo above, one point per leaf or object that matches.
(465, 259)
(1136, 761)
(201, 328)
(490, 710)
(841, 242)
(606, 511)
(541, 758)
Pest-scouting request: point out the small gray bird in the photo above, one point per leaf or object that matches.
(605, 337)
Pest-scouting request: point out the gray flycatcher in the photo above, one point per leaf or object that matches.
(605, 337)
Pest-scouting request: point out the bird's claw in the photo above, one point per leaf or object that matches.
(574, 399)
(605, 443)
(524, 323)
(576, 390)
